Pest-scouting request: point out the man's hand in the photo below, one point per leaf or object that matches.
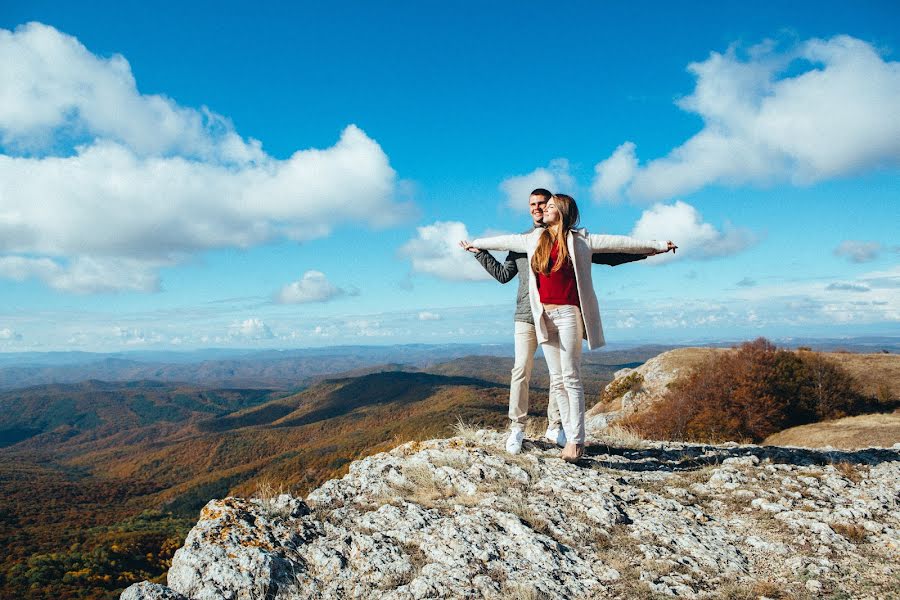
(465, 245)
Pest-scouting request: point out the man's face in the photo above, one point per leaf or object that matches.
(536, 205)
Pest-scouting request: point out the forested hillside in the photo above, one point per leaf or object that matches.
(100, 482)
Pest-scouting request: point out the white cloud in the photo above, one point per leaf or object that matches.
(53, 86)
(313, 286)
(85, 274)
(746, 282)
(148, 182)
(554, 177)
(250, 329)
(827, 108)
(614, 173)
(843, 286)
(429, 316)
(436, 251)
(8, 335)
(858, 252)
(683, 224)
(136, 336)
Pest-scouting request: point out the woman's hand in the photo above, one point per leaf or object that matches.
(465, 245)
(669, 246)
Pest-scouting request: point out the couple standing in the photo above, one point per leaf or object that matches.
(556, 307)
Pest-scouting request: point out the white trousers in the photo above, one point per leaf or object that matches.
(525, 346)
(563, 353)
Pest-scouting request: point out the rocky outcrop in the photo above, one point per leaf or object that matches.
(634, 390)
(459, 518)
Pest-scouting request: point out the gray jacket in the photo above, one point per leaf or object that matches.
(517, 263)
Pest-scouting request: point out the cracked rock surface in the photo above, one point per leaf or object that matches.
(460, 518)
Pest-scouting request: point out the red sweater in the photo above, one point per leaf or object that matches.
(559, 287)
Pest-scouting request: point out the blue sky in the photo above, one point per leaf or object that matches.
(223, 175)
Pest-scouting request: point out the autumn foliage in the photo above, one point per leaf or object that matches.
(751, 392)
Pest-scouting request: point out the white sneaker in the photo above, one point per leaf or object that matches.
(514, 442)
(556, 436)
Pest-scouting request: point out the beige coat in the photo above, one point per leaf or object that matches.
(581, 245)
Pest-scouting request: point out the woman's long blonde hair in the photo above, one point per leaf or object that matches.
(556, 235)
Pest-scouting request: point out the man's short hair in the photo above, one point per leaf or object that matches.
(542, 192)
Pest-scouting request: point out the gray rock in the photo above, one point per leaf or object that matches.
(150, 591)
(460, 518)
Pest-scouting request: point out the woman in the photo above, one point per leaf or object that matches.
(563, 301)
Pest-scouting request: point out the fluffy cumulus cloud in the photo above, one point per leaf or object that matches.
(554, 177)
(858, 252)
(101, 186)
(825, 108)
(133, 336)
(614, 173)
(250, 329)
(429, 316)
(313, 286)
(684, 225)
(435, 250)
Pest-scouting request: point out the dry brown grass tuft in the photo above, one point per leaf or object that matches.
(535, 428)
(849, 471)
(853, 532)
(267, 493)
(530, 517)
(621, 436)
(516, 590)
(466, 431)
(753, 590)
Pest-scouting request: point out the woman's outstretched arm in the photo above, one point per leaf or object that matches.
(623, 243)
(510, 243)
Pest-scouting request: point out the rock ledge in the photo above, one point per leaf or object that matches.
(459, 518)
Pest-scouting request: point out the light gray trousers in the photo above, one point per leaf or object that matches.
(525, 346)
(563, 353)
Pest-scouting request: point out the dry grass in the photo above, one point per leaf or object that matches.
(753, 590)
(466, 431)
(267, 493)
(621, 436)
(877, 374)
(848, 470)
(515, 590)
(421, 488)
(530, 517)
(535, 428)
(853, 532)
(864, 431)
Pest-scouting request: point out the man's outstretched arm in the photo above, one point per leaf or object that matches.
(502, 272)
(615, 258)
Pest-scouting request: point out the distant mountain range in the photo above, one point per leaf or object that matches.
(286, 370)
(297, 369)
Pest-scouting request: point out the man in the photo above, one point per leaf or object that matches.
(525, 337)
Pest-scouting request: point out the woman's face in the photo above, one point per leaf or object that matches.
(551, 213)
